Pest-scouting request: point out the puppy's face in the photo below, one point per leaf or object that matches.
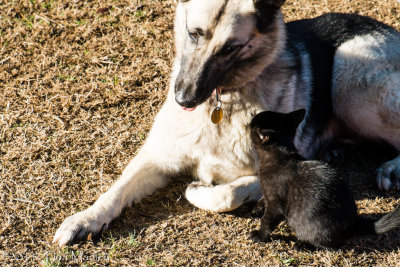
(269, 128)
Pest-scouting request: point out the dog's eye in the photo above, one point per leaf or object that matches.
(229, 49)
(195, 35)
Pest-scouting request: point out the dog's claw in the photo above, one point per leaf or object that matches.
(388, 175)
(77, 227)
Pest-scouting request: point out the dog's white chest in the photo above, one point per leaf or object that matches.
(224, 151)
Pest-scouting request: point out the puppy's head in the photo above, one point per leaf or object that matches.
(269, 128)
(223, 43)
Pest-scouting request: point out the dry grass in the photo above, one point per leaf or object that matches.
(80, 82)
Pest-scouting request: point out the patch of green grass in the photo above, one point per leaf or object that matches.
(150, 262)
(18, 125)
(64, 78)
(27, 20)
(142, 136)
(140, 15)
(47, 4)
(115, 248)
(289, 261)
(132, 241)
(81, 22)
(115, 80)
(50, 262)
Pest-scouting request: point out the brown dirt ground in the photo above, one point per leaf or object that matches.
(80, 83)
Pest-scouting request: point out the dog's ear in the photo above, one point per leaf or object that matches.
(266, 11)
(296, 117)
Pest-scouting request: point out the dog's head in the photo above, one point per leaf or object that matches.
(275, 128)
(223, 43)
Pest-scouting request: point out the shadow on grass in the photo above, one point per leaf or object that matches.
(162, 204)
(387, 242)
(357, 164)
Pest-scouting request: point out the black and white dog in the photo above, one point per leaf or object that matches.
(344, 70)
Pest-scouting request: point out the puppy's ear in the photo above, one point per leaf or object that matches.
(296, 117)
(256, 121)
(264, 4)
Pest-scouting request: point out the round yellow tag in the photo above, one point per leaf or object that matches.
(216, 115)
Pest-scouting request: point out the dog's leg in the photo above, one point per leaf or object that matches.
(158, 158)
(388, 175)
(366, 93)
(140, 178)
(224, 197)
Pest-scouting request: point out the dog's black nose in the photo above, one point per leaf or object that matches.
(185, 98)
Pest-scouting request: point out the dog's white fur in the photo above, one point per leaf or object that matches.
(221, 156)
(370, 103)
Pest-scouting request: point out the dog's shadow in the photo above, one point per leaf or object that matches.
(357, 164)
(163, 204)
(386, 242)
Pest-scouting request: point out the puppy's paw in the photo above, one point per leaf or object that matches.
(388, 175)
(77, 227)
(256, 236)
(303, 246)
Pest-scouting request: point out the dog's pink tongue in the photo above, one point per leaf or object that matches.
(188, 109)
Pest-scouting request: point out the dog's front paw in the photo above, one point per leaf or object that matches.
(256, 236)
(388, 175)
(205, 196)
(197, 184)
(77, 227)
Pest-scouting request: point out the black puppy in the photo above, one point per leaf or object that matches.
(316, 203)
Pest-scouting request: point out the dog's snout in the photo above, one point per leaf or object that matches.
(185, 97)
(193, 86)
(184, 94)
